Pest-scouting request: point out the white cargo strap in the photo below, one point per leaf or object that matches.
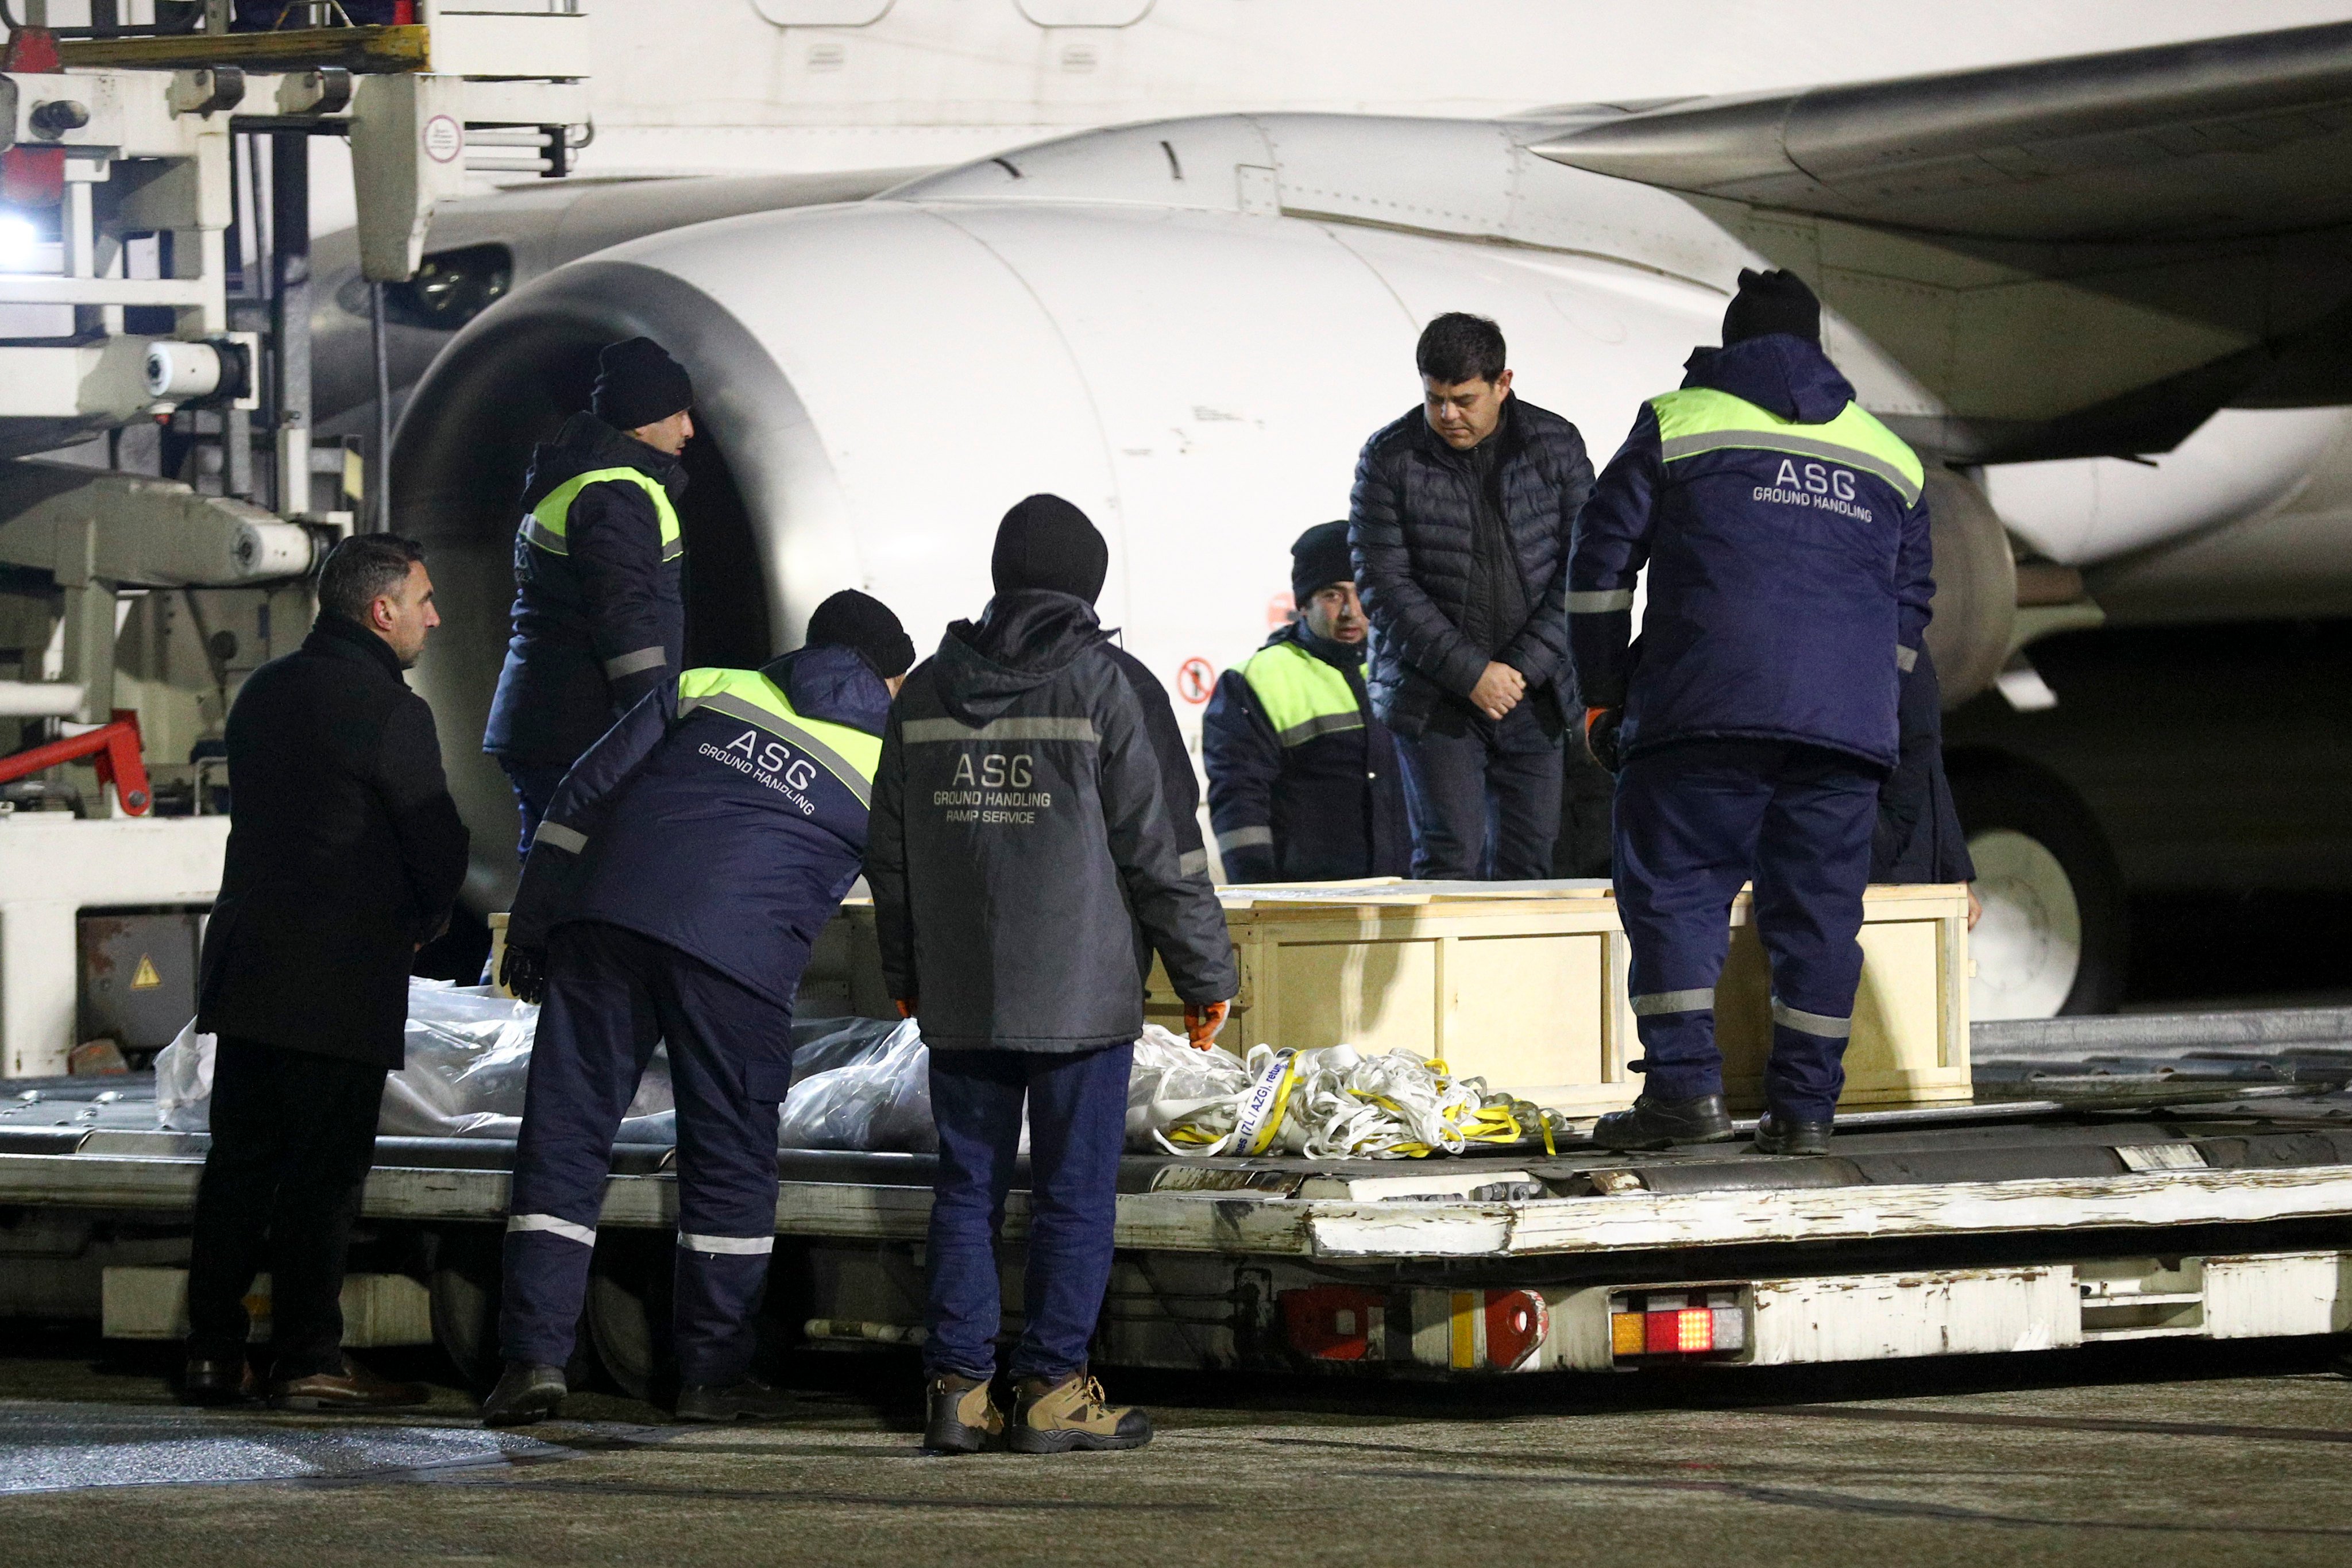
(1805, 1022)
(1693, 1001)
(631, 663)
(1260, 1117)
(583, 1234)
(1599, 600)
(1246, 838)
(739, 1246)
(1333, 1102)
(571, 840)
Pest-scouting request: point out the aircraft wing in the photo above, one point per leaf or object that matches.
(2223, 138)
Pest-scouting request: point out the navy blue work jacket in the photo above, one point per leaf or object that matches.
(599, 594)
(1785, 536)
(727, 825)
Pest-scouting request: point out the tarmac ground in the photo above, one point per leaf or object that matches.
(2170, 1451)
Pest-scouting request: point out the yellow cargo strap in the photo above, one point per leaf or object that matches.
(848, 754)
(1303, 696)
(546, 524)
(1699, 419)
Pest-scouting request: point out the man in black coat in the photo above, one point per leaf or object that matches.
(344, 855)
(1460, 523)
(600, 563)
(1303, 781)
(1025, 865)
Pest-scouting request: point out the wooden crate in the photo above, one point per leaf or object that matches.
(1524, 986)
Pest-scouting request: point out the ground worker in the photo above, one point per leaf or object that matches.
(679, 881)
(600, 607)
(1789, 588)
(1459, 522)
(1025, 865)
(345, 855)
(1303, 781)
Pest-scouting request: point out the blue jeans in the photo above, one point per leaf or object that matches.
(1078, 1123)
(1695, 821)
(535, 784)
(1482, 810)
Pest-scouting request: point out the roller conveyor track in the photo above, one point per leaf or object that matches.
(2058, 1099)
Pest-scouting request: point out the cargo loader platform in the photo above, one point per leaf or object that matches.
(2090, 1194)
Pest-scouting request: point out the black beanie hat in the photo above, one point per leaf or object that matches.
(854, 620)
(1318, 560)
(637, 384)
(1768, 302)
(1046, 542)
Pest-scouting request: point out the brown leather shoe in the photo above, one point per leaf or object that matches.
(352, 1388)
(210, 1381)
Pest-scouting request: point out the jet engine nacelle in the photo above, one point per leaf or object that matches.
(877, 382)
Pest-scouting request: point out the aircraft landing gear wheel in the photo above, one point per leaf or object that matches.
(2052, 941)
(629, 1288)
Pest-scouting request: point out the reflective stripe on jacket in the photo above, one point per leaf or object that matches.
(1024, 862)
(1785, 537)
(1303, 781)
(725, 815)
(600, 605)
(547, 524)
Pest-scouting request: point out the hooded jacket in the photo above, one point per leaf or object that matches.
(725, 816)
(1412, 524)
(1303, 780)
(1024, 860)
(1790, 573)
(599, 605)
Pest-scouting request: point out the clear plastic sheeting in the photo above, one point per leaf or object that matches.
(873, 1092)
(858, 1083)
(1329, 1103)
(468, 1059)
(183, 1082)
(863, 1084)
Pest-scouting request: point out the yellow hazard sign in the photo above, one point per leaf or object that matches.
(144, 977)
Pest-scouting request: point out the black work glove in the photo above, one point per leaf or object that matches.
(1601, 727)
(524, 973)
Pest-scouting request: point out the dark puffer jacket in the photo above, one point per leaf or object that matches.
(1410, 520)
(600, 607)
(1024, 861)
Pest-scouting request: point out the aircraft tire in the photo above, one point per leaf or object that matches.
(2052, 940)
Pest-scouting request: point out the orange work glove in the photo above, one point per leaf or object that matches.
(1202, 1020)
(908, 1006)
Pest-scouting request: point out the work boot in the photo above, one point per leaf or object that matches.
(747, 1399)
(213, 1381)
(1655, 1123)
(1069, 1415)
(1778, 1134)
(960, 1417)
(350, 1387)
(525, 1394)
